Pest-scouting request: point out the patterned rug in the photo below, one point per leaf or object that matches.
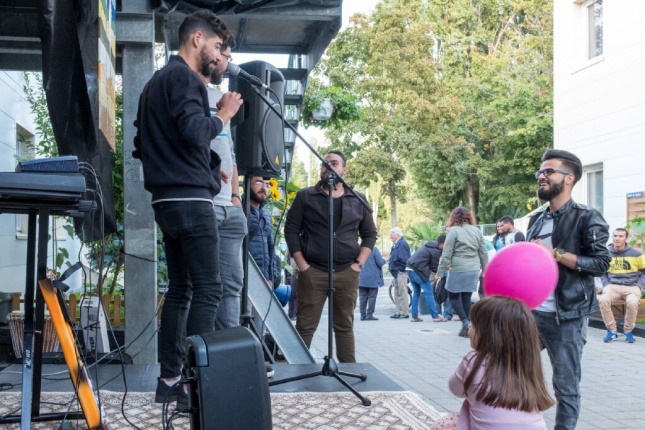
(323, 411)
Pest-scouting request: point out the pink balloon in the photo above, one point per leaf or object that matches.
(523, 271)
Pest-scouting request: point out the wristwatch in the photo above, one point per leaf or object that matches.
(558, 253)
(360, 264)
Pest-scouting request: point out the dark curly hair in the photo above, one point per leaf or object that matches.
(460, 215)
(205, 21)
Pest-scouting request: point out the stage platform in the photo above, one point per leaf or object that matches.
(143, 378)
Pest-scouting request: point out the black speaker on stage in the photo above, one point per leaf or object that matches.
(229, 388)
(259, 137)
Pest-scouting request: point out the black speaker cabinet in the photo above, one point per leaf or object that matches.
(230, 389)
(259, 137)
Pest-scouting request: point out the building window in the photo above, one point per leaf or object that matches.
(594, 28)
(24, 151)
(593, 176)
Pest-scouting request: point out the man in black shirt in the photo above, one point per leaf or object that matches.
(306, 233)
(174, 131)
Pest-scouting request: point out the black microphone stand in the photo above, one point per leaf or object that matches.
(330, 368)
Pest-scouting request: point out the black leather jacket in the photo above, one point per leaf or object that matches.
(581, 230)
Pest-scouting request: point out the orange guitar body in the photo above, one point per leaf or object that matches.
(77, 370)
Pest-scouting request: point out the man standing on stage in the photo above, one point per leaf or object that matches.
(576, 235)
(174, 131)
(231, 222)
(307, 235)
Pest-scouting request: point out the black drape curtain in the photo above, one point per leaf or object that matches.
(69, 35)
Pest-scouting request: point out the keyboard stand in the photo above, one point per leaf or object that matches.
(34, 321)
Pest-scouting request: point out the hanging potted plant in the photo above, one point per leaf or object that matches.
(328, 107)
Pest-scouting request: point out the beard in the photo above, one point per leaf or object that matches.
(257, 199)
(206, 62)
(216, 77)
(549, 194)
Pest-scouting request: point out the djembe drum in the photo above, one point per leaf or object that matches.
(17, 328)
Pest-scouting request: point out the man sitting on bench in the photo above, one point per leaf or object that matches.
(623, 281)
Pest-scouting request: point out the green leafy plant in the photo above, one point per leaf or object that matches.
(636, 226)
(346, 106)
(423, 232)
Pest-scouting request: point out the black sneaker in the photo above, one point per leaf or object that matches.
(182, 400)
(166, 393)
(270, 371)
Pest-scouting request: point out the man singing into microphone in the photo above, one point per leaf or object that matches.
(306, 233)
(174, 131)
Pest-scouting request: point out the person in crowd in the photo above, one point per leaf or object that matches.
(501, 380)
(307, 234)
(624, 280)
(174, 132)
(465, 255)
(261, 247)
(260, 229)
(422, 268)
(576, 235)
(397, 264)
(507, 234)
(369, 282)
(231, 222)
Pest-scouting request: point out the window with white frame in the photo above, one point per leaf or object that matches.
(594, 184)
(24, 151)
(594, 28)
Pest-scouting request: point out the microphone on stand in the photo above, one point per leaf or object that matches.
(235, 70)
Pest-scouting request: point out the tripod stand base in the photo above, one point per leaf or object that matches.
(330, 368)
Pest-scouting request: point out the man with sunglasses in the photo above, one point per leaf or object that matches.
(231, 222)
(576, 235)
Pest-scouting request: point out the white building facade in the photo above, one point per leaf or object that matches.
(17, 135)
(599, 101)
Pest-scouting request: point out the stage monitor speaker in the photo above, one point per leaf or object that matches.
(259, 137)
(229, 388)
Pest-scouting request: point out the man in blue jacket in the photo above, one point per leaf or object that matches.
(397, 263)
(370, 280)
(260, 229)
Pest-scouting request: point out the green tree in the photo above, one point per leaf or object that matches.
(374, 59)
(458, 92)
(107, 253)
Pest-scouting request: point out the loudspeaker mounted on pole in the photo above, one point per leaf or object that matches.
(259, 136)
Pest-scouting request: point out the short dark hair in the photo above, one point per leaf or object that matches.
(441, 239)
(340, 154)
(507, 219)
(228, 43)
(205, 21)
(622, 229)
(569, 160)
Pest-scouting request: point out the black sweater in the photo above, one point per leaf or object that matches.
(426, 259)
(306, 228)
(174, 131)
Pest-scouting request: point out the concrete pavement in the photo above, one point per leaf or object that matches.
(421, 356)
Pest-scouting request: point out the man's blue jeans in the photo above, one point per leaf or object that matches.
(231, 225)
(419, 284)
(564, 343)
(191, 243)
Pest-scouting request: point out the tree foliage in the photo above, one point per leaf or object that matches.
(457, 92)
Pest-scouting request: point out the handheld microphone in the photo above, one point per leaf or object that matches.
(235, 70)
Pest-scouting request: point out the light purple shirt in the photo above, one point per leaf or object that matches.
(476, 415)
